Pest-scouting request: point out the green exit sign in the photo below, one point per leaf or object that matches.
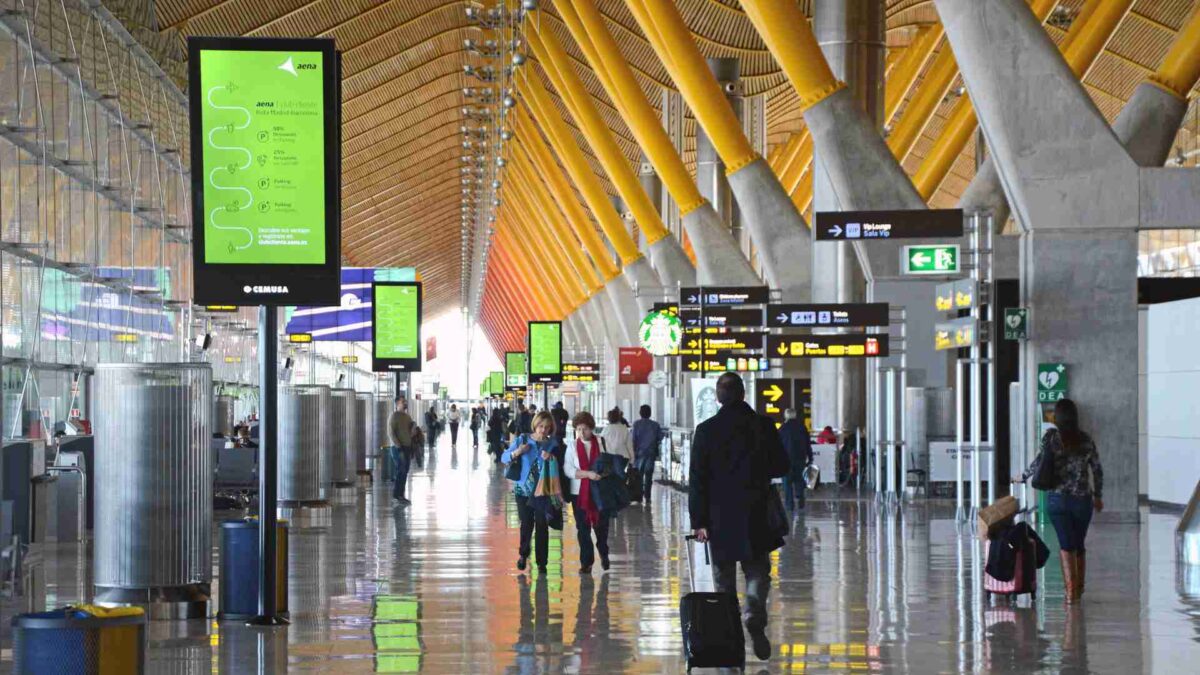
(940, 259)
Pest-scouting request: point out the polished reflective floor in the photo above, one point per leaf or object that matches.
(434, 588)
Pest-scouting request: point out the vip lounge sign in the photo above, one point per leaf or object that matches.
(1051, 382)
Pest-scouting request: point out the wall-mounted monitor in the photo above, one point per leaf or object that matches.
(545, 351)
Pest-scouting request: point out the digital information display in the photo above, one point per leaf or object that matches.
(545, 351)
(396, 315)
(265, 142)
(495, 383)
(515, 371)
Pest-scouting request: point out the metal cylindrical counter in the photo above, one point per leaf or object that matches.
(303, 418)
(366, 404)
(223, 415)
(153, 531)
(341, 451)
(379, 437)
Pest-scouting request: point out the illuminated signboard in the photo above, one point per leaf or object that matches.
(495, 383)
(726, 342)
(581, 372)
(955, 295)
(856, 315)
(396, 313)
(515, 375)
(711, 296)
(660, 332)
(867, 225)
(265, 150)
(954, 334)
(545, 351)
(349, 359)
(722, 317)
(300, 338)
(720, 362)
(827, 346)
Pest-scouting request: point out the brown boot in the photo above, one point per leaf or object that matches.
(1067, 560)
(1080, 572)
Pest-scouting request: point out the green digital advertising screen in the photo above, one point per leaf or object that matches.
(516, 376)
(496, 383)
(545, 351)
(266, 164)
(396, 315)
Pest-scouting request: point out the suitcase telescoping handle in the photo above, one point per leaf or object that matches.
(692, 537)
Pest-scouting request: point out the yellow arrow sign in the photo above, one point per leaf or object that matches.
(774, 393)
(783, 349)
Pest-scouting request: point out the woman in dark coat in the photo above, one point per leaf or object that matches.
(495, 433)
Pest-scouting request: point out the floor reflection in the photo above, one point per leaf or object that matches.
(434, 588)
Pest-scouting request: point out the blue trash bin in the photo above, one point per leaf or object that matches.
(83, 639)
(238, 578)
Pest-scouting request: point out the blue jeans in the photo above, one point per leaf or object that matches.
(1070, 516)
(401, 459)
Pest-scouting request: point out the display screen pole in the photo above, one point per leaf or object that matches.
(268, 383)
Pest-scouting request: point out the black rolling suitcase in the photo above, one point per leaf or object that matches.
(712, 624)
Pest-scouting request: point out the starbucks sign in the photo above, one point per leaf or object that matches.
(660, 333)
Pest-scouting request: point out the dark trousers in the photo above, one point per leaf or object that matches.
(587, 552)
(401, 459)
(474, 437)
(1071, 517)
(647, 481)
(454, 433)
(758, 586)
(794, 489)
(533, 525)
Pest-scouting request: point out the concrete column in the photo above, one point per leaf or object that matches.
(710, 170)
(851, 35)
(654, 190)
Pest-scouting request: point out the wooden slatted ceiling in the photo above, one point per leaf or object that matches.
(402, 93)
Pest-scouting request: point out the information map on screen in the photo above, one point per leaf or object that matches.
(496, 383)
(397, 318)
(265, 144)
(545, 351)
(514, 370)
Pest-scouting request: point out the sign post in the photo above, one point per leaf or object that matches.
(265, 136)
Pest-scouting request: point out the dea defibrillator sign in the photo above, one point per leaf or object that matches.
(660, 333)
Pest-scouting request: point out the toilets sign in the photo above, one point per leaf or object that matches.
(1051, 382)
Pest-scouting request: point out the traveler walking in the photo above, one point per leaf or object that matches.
(400, 434)
(561, 420)
(1074, 481)
(796, 442)
(431, 424)
(647, 438)
(588, 517)
(495, 433)
(533, 450)
(735, 454)
(454, 417)
(617, 439)
(477, 420)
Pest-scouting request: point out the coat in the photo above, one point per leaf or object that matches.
(730, 480)
(797, 444)
(619, 441)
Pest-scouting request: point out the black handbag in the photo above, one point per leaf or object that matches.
(1046, 478)
(778, 523)
(513, 470)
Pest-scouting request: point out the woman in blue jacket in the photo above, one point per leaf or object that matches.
(532, 450)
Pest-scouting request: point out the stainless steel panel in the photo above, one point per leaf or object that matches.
(303, 416)
(341, 453)
(154, 477)
(223, 415)
(939, 412)
(364, 405)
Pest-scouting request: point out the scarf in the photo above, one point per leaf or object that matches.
(584, 498)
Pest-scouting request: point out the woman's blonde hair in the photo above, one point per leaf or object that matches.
(543, 417)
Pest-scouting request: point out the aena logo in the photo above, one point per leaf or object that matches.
(274, 290)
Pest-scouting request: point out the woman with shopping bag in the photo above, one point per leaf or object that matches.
(536, 455)
(580, 469)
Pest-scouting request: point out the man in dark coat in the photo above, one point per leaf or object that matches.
(798, 445)
(561, 419)
(735, 454)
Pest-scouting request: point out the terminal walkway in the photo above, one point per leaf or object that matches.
(433, 587)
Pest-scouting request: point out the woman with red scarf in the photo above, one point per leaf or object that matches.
(580, 456)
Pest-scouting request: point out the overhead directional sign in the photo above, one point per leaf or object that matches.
(865, 225)
(669, 307)
(722, 317)
(710, 296)
(955, 295)
(581, 372)
(938, 259)
(955, 334)
(827, 346)
(724, 361)
(847, 315)
(727, 342)
(772, 397)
